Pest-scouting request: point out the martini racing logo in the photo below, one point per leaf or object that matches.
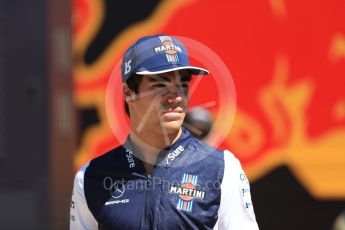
(169, 48)
(187, 192)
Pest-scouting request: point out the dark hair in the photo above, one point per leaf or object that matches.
(133, 83)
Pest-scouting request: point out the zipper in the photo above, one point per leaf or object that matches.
(160, 203)
(147, 201)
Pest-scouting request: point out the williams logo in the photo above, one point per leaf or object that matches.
(169, 48)
(187, 192)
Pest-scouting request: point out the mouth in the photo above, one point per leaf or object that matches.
(173, 114)
(173, 110)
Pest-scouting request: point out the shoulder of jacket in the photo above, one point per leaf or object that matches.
(231, 159)
(79, 176)
(99, 162)
(107, 157)
(210, 151)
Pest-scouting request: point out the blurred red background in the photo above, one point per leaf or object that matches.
(287, 60)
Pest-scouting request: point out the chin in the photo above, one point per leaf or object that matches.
(171, 126)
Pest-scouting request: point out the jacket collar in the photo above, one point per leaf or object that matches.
(166, 156)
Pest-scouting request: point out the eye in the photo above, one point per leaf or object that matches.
(159, 85)
(185, 84)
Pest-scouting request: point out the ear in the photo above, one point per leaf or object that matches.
(127, 93)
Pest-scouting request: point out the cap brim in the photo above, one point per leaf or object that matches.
(191, 69)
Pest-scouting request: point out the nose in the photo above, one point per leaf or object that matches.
(175, 94)
(175, 100)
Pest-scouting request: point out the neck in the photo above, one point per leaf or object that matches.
(151, 143)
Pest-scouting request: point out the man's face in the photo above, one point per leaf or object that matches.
(161, 102)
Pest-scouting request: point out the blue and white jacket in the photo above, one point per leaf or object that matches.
(192, 186)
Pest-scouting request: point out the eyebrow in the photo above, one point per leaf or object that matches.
(157, 78)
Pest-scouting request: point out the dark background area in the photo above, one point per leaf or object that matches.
(37, 126)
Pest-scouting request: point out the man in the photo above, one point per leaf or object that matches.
(162, 177)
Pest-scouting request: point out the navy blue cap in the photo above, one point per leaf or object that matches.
(157, 54)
